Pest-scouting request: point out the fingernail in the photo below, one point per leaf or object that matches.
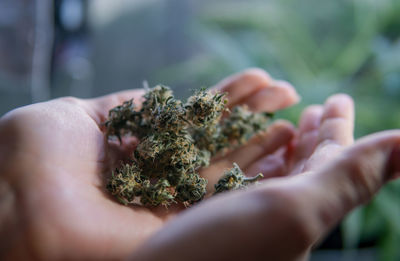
(394, 163)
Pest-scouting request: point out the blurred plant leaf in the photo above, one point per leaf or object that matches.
(352, 226)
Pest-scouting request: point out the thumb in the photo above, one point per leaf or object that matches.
(352, 179)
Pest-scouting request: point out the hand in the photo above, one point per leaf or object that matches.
(54, 161)
(319, 180)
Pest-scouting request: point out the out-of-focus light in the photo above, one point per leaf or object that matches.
(9, 13)
(71, 14)
(102, 12)
(391, 83)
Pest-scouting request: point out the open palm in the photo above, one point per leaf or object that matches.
(60, 205)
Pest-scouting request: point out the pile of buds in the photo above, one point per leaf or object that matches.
(176, 139)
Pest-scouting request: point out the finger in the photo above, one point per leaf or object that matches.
(353, 178)
(243, 84)
(277, 96)
(309, 124)
(337, 122)
(278, 134)
(254, 82)
(324, 197)
(335, 132)
(99, 107)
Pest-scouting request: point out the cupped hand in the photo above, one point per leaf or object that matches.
(54, 160)
(313, 182)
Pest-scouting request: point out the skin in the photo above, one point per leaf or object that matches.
(54, 161)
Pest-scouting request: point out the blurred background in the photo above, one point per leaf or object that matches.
(89, 48)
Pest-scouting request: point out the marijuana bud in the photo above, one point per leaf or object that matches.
(175, 140)
(191, 189)
(156, 194)
(126, 183)
(119, 119)
(205, 109)
(241, 125)
(234, 179)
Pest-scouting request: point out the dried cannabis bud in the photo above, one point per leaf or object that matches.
(175, 140)
(235, 179)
